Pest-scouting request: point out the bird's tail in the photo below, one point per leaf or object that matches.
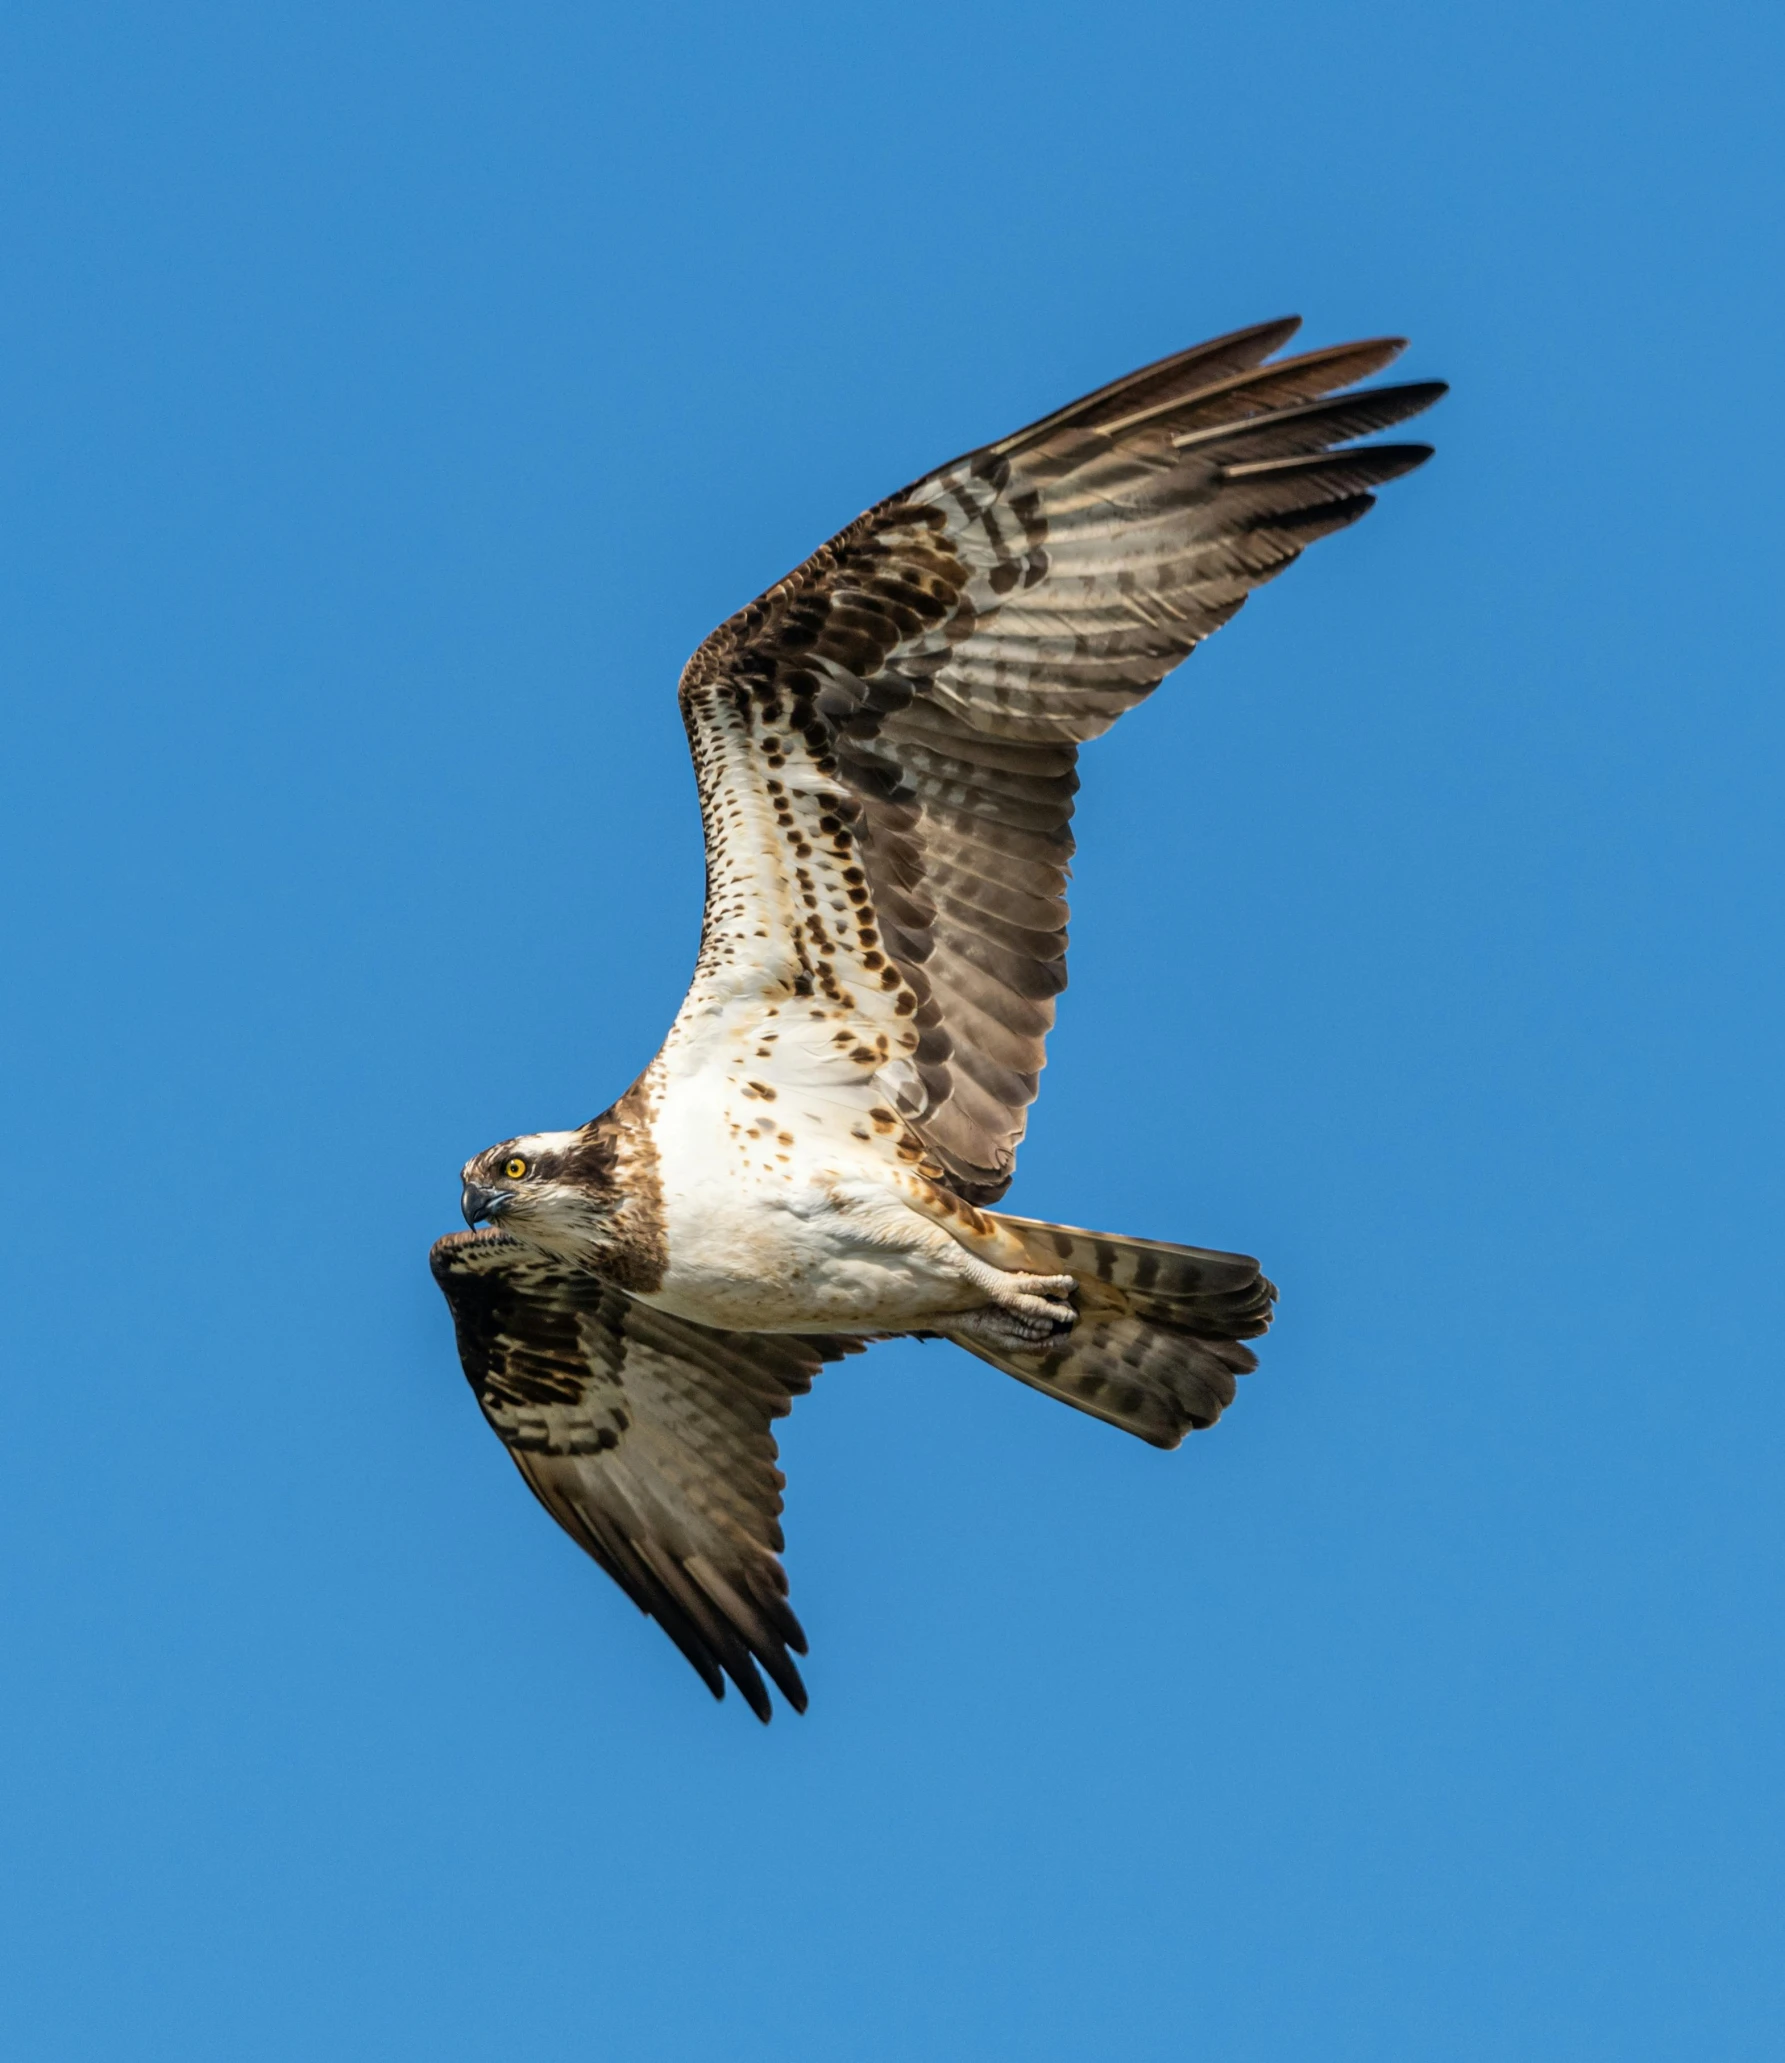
(1157, 1344)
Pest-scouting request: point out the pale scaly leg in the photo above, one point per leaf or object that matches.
(1020, 1310)
(1025, 1311)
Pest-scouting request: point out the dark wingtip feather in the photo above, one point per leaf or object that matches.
(751, 1687)
(1419, 394)
(1305, 525)
(1403, 458)
(784, 1675)
(1379, 462)
(1216, 355)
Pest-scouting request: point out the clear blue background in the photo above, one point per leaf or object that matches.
(391, 396)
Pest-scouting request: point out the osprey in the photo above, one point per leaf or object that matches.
(885, 744)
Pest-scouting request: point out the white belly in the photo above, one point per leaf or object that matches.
(778, 1218)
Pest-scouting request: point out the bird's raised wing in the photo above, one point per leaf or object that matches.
(885, 741)
(648, 1440)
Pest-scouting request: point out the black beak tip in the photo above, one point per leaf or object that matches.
(477, 1202)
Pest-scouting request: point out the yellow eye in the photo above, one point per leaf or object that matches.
(514, 1167)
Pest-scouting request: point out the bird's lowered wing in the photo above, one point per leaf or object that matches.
(885, 741)
(648, 1440)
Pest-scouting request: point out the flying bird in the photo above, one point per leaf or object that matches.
(885, 744)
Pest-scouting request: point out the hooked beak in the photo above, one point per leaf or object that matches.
(477, 1202)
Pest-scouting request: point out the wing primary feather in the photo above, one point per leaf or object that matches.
(1280, 383)
(926, 678)
(648, 1440)
(1181, 370)
(1317, 425)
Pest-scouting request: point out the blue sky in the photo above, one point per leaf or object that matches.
(390, 398)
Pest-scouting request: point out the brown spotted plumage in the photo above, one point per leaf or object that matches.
(885, 745)
(911, 700)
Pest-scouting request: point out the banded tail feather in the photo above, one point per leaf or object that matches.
(1156, 1349)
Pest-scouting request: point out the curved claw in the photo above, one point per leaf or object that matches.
(1021, 1322)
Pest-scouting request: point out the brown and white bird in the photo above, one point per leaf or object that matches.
(885, 744)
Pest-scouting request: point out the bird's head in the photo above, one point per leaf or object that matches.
(552, 1189)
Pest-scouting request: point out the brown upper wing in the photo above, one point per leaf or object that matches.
(648, 1440)
(886, 740)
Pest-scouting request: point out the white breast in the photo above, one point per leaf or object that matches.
(779, 1215)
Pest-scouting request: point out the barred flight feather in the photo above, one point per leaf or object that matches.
(647, 1439)
(910, 701)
